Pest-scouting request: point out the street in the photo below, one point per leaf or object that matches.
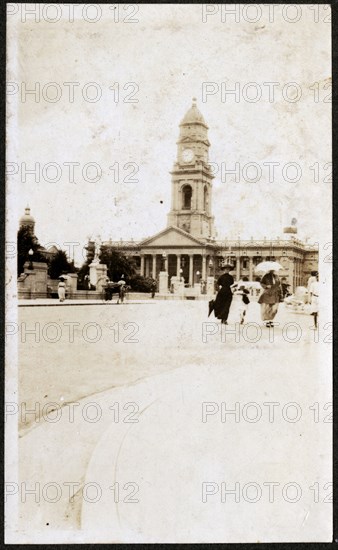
(124, 396)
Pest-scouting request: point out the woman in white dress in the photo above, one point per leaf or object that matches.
(239, 303)
(314, 297)
(62, 290)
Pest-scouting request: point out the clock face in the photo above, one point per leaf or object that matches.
(187, 155)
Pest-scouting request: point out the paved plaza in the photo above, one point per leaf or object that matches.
(132, 432)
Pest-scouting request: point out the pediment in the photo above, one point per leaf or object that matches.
(172, 236)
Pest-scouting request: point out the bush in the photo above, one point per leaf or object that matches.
(140, 284)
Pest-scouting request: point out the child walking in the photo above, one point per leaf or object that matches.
(240, 301)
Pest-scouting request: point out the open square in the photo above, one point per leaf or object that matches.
(148, 385)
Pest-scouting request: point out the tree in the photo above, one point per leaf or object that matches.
(26, 241)
(83, 272)
(59, 264)
(117, 263)
(90, 252)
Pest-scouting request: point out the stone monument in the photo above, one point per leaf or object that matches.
(163, 282)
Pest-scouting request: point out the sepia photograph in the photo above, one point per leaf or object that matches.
(168, 273)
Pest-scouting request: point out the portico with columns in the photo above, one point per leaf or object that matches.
(189, 258)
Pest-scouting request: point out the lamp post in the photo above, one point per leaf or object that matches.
(181, 274)
(197, 276)
(30, 254)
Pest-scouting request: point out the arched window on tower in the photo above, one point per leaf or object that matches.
(205, 199)
(186, 197)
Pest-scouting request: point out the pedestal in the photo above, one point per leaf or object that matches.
(101, 272)
(178, 285)
(71, 283)
(210, 286)
(93, 274)
(36, 279)
(98, 275)
(180, 288)
(197, 289)
(163, 282)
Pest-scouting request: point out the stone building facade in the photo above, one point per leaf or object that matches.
(187, 247)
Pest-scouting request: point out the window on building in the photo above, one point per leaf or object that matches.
(187, 194)
(205, 201)
(245, 263)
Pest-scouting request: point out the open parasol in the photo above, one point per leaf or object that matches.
(264, 267)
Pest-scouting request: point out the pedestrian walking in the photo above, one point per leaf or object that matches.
(285, 288)
(153, 288)
(314, 298)
(122, 289)
(312, 279)
(239, 303)
(62, 290)
(270, 297)
(223, 299)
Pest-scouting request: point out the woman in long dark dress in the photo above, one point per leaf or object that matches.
(224, 295)
(270, 297)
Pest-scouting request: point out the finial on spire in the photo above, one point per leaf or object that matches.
(194, 100)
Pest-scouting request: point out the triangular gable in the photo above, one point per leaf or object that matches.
(172, 236)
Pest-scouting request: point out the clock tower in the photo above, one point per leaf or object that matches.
(192, 178)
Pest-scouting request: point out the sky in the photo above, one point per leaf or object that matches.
(103, 157)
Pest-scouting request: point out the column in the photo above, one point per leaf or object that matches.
(204, 267)
(166, 263)
(154, 266)
(142, 265)
(250, 269)
(178, 257)
(238, 268)
(191, 269)
(296, 273)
